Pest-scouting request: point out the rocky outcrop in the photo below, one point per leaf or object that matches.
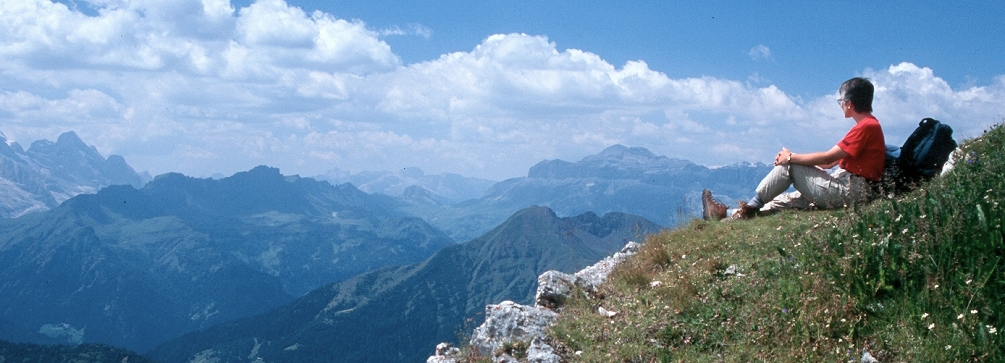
(512, 329)
(49, 173)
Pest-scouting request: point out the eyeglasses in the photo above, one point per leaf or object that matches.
(841, 101)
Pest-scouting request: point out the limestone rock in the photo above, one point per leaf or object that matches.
(553, 288)
(445, 353)
(509, 323)
(868, 358)
(606, 313)
(541, 352)
(590, 278)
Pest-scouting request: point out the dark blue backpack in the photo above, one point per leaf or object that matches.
(922, 156)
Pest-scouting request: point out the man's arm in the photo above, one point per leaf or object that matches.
(824, 159)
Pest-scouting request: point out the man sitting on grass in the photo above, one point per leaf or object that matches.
(859, 156)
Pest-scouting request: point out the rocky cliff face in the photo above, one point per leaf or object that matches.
(509, 325)
(49, 173)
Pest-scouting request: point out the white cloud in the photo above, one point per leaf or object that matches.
(760, 52)
(200, 87)
(410, 29)
(912, 93)
(274, 23)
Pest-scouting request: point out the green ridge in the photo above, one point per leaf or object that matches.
(918, 277)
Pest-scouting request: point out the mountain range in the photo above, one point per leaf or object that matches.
(397, 314)
(49, 173)
(135, 267)
(136, 263)
(445, 188)
(618, 179)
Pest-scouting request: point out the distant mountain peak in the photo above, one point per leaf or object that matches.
(619, 151)
(535, 213)
(447, 187)
(68, 147)
(262, 170)
(615, 162)
(70, 138)
(9, 148)
(49, 173)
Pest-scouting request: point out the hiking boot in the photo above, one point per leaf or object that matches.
(745, 212)
(711, 209)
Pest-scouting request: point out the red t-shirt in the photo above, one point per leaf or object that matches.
(866, 149)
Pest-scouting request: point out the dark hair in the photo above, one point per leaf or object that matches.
(859, 92)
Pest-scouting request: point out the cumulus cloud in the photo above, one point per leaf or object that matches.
(911, 93)
(201, 87)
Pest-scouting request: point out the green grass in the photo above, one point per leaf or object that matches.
(918, 277)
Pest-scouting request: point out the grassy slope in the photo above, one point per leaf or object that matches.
(913, 278)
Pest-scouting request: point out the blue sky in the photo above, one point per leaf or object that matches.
(686, 39)
(483, 89)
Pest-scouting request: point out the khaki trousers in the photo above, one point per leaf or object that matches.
(815, 188)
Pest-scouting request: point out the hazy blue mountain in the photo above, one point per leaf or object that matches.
(447, 187)
(49, 173)
(134, 267)
(398, 314)
(618, 179)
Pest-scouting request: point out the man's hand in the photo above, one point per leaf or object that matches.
(784, 157)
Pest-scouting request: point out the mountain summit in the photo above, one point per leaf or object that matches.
(615, 162)
(49, 173)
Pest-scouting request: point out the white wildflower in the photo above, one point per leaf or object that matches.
(923, 316)
(931, 326)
